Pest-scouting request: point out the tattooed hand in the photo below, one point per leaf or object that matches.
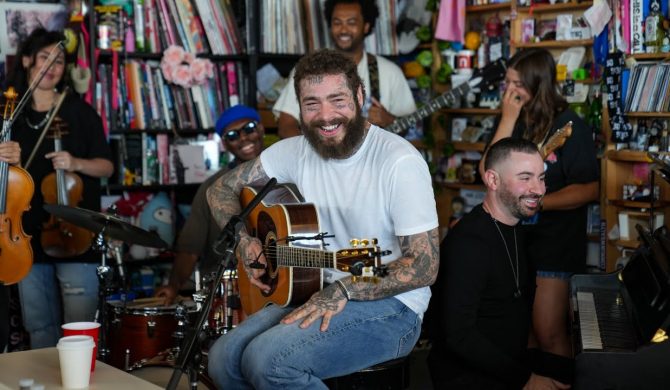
(248, 251)
(323, 304)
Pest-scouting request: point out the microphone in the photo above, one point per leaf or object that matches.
(232, 228)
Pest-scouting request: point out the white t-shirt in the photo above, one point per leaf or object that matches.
(383, 191)
(394, 91)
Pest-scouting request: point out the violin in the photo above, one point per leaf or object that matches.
(60, 238)
(16, 254)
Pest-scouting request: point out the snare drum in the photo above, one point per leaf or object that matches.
(139, 330)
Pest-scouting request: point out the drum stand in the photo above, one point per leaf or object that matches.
(189, 355)
(105, 287)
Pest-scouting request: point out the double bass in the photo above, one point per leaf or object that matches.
(60, 238)
(16, 254)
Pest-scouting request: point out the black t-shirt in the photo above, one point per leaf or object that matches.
(84, 139)
(479, 328)
(557, 240)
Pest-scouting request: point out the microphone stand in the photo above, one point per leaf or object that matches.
(189, 355)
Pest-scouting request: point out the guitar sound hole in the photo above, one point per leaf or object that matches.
(266, 233)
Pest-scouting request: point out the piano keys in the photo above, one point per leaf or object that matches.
(620, 323)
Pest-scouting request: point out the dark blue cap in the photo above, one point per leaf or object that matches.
(235, 113)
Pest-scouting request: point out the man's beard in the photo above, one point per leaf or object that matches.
(515, 204)
(353, 136)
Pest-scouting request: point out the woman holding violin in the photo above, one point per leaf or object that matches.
(57, 289)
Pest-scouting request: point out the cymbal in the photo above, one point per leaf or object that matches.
(115, 228)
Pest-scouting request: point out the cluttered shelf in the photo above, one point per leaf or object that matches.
(554, 44)
(650, 56)
(562, 7)
(644, 114)
(471, 9)
(627, 155)
(632, 244)
(638, 204)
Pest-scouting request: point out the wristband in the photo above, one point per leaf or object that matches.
(343, 288)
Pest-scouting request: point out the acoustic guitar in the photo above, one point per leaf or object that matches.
(292, 244)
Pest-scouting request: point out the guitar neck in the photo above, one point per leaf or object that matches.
(291, 256)
(401, 124)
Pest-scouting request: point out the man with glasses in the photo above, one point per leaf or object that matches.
(242, 135)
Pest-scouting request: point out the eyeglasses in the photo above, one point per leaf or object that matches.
(233, 135)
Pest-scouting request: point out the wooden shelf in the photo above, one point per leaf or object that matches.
(628, 156)
(554, 44)
(627, 243)
(458, 186)
(650, 56)
(637, 204)
(649, 114)
(562, 7)
(471, 9)
(469, 146)
(471, 111)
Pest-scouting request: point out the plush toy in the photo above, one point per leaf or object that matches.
(156, 216)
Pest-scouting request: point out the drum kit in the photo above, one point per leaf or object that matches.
(144, 336)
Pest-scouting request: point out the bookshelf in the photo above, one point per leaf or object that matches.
(478, 15)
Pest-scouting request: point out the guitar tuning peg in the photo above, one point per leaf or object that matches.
(354, 242)
(374, 241)
(365, 242)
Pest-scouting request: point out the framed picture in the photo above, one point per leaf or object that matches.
(18, 20)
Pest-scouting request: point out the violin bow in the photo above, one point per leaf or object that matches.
(52, 114)
(53, 54)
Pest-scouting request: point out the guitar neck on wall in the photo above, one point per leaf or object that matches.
(485, 78)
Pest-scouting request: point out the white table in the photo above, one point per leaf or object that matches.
(43, 366)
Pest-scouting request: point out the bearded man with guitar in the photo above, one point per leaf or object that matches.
(365, 183)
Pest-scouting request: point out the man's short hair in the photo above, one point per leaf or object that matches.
(501, 150)
(368, 9)
(327, 62)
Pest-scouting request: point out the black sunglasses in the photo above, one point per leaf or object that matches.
(234, 134)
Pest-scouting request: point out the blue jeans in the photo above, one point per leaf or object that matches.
(263, 354)
(57, 293)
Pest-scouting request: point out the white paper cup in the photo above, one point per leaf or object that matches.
(74, 354)
(84, 328)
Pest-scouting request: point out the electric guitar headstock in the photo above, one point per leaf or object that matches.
(556, 140)
(489, 77)
(362, 260)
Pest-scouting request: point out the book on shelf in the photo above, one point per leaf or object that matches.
(199, 26)
(150, 102)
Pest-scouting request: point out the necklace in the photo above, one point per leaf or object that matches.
(515, 271)
(39, 125)
(44, 120)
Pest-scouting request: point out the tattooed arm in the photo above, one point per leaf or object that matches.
(223, 197)
(416, 268)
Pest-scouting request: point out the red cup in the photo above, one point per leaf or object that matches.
(85, 328)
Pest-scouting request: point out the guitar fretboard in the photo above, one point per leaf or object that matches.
(290, 256)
